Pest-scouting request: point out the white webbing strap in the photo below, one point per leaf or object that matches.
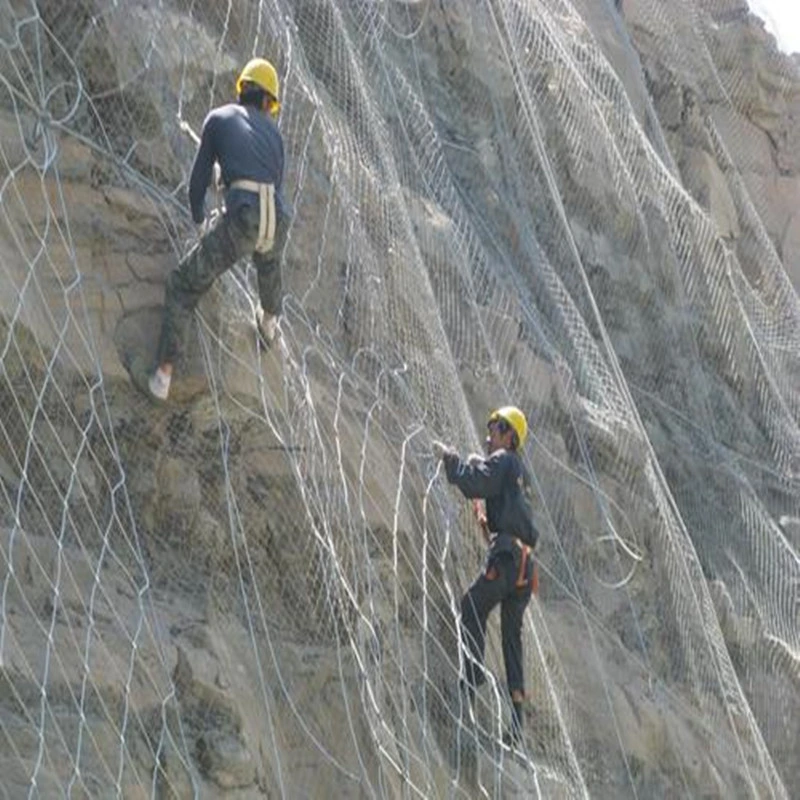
(266, 204)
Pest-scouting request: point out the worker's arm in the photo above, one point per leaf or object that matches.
(478, 477)
(201, 172)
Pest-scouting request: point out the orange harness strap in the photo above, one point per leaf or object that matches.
(522, 579)
(527, 552)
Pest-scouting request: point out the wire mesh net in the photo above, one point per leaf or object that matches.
(535, 202)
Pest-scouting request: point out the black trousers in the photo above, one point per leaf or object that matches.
(495, 586)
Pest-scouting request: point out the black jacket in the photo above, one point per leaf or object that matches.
(247, 144)
(500, 479)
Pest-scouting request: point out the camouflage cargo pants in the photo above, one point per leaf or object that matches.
(231, 236)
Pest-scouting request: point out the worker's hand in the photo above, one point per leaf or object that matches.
(480, 512)
(474, 458)
(208, 222)
(440, 449)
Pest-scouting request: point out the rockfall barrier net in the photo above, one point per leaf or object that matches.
(255, 590)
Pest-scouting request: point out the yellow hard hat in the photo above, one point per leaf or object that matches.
(263, 74)
(515, 418)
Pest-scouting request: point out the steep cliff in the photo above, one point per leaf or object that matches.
(590, 209)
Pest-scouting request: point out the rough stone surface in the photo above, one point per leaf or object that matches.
(261, 672)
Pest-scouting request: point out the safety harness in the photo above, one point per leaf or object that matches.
(528, 566)
(266, 204)
(528, 572)
(528, 569)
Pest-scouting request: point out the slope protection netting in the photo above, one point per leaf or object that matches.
(258, 589)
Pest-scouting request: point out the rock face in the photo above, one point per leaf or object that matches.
(587, 209)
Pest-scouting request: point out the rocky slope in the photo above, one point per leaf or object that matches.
(591, 209)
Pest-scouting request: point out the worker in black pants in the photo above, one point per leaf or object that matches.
(500, 480)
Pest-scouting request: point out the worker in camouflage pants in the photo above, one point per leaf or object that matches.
(229, 237)
(242, 139)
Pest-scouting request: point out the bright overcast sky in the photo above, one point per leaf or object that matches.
(783, 21)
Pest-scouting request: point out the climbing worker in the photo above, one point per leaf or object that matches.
(244, 140)
(501, 480)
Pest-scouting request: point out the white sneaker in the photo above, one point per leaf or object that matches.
(159, 384)
(268, 327)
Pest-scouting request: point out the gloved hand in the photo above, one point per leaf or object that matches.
(440, 449)
(474, 458)
(205, 226)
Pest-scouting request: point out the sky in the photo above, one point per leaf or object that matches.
(782, 18)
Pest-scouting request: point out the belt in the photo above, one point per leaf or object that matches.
(266, 205)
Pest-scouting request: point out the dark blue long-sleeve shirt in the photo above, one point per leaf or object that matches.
(501, 480)
(248, 145)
